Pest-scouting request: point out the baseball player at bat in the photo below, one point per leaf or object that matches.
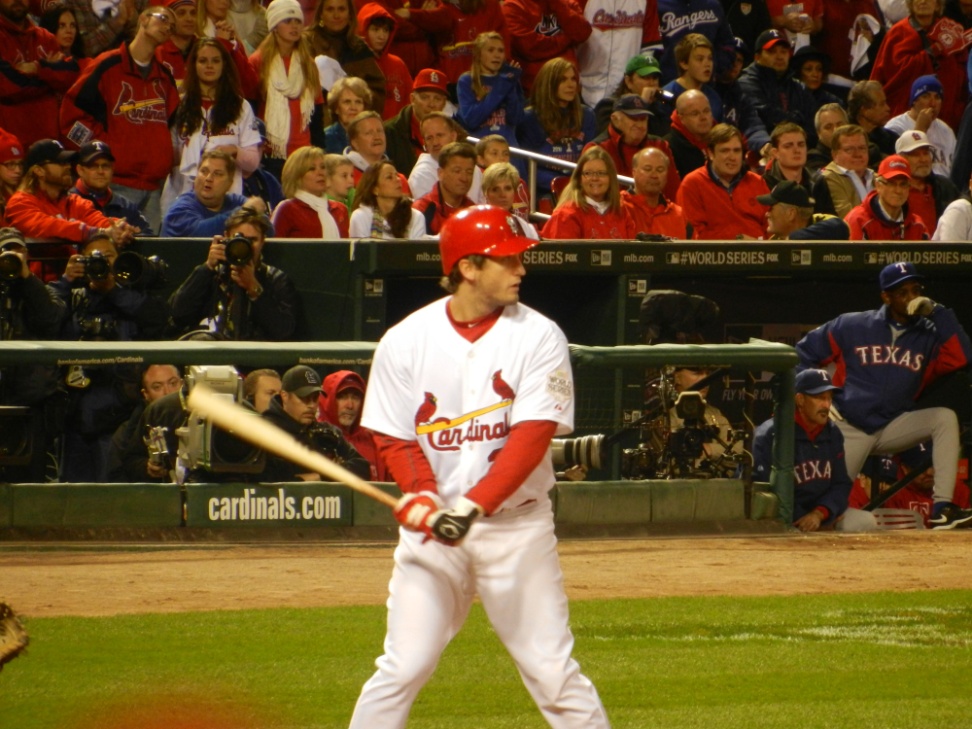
(464, 397)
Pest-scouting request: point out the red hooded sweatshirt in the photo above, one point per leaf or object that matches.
(362, 439)
(398, 80)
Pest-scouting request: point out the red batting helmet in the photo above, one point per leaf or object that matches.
(483, 229)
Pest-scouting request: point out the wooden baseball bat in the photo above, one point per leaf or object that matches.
(251, 427)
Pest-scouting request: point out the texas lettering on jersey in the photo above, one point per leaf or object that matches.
(449, 434)
(140, 111)
(811, 471)
(883, 354)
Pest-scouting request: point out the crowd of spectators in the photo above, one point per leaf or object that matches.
(339, 119)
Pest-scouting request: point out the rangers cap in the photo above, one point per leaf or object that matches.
(301, 381)
(895, 274)
(481, 229)
(813, 382)
(910, 141)
(770, 38)
(430, 78)
(92, 151)
(894, 166)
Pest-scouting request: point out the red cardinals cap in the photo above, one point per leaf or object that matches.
(769, 38)
(10, 147)
(430, 78)
(894, 166)
(483, 229)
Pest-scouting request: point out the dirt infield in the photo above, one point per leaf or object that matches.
(48, 580)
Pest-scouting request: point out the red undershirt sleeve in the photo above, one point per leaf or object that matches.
(527, 445)
(407, 464)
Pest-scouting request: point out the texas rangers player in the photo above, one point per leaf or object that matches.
(464, 396)
(883, 360)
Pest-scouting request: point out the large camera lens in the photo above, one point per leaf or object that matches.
(239, 250)
(10, 266)
(96, 266)
(584, 451)
(133, 269)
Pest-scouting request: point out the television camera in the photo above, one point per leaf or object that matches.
(205, 449)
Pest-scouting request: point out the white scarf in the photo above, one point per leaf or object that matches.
(329, 229)
(282, 87)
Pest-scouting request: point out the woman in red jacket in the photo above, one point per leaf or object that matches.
(590, 205)
(307, 212)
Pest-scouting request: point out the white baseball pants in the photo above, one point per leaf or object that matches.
(511, 562)
(905, 431)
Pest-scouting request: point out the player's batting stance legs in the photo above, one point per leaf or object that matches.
(464, 396)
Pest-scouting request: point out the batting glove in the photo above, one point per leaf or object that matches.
(450, 526)
(920, 306)
(415, 511)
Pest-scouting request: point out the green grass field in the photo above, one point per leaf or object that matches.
(871, 661)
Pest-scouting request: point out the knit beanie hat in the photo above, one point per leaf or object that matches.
(281, 10)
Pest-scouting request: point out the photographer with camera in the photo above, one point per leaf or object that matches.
(204, 210)
(294, 411)
(102, 305)
(28, 310)
(701, 440)
(234, 294)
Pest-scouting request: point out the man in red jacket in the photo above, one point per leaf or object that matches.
(646, 205)
(126, 98)
(719, 199)
(42, 208)
(884, 214)
(33, 73)
(627, 133)
(342, 394)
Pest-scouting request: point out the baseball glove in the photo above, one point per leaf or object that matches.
(13, 637)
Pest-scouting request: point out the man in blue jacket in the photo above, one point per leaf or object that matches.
(884, 359)
(203, 211)
(819, 468)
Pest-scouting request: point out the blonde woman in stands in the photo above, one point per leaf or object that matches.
(590, 206)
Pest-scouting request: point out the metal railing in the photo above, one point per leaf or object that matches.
(532, 160)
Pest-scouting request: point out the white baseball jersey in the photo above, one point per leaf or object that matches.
(459, 399)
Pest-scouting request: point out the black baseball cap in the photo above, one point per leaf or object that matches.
(789, 192)
(632, 105)
(11, 239)
(895, 274)
(45, 151)
(94, 150)
(301, 381)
